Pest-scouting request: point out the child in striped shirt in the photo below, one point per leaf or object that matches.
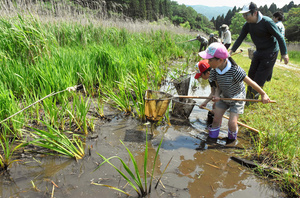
(229, 78)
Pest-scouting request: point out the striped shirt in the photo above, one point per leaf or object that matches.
(229, 80)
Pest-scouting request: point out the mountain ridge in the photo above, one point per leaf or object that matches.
(211, 12)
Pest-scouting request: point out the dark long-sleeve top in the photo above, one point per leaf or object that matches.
(264, 34)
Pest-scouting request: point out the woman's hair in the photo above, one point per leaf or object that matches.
(278, 15)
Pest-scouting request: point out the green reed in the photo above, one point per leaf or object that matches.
(8, 146)
(24, 39)
(82, 106)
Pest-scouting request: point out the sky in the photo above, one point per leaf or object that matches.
(232, 3)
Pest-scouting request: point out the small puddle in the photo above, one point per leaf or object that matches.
(198, 168)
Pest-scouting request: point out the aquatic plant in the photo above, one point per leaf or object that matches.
(25, 39)
(120, 97)
(82, 107)
(8, 146)
(134, 178)
(58, 141)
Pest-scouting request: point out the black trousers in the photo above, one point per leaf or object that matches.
(227, 45)
(261, 67)
(260, 71)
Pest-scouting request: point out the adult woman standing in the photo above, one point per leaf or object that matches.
(225, 35)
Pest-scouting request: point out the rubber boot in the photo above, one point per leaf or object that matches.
(232, 135)
(214, 132)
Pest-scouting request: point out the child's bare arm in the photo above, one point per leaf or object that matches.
(264, 97)
(212, 92)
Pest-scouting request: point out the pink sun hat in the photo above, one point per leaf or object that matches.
(215, 50)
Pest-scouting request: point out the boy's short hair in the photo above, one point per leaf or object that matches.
(208, 69)
(279, 15)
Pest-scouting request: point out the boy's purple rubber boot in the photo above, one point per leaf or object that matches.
(214, 132)
(232, 135)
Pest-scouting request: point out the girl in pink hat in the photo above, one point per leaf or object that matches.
(229, 78)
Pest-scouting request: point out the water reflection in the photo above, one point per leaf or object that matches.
(22, 178)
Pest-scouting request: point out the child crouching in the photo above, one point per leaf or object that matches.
(229, 78)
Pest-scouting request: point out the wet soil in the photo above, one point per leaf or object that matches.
(199, 167)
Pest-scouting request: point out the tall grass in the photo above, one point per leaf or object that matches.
(57, 62)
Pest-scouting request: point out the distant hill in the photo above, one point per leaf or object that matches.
(211, 12)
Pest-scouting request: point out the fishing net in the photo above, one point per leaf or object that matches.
(182, 107)
(157, 102)
(182, 84)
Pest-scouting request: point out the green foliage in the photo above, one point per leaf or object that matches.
(292, 25)
(186, 15)
(294, 56)
(186, 25)
(237, 23)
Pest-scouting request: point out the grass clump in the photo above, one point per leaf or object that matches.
(8, 146)
(57, 141)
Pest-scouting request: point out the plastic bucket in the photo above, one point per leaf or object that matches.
(156, 104)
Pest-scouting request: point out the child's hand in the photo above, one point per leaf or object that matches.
(203, 105)
(265, 98)
(215, 98)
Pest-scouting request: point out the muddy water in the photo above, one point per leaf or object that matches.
(198, 168)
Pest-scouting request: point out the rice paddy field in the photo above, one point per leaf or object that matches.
(59, 60)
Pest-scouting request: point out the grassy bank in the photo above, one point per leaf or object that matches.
(277, 144)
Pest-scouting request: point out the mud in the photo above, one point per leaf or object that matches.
(199, 168)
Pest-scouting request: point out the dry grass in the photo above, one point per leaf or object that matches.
(62, 11)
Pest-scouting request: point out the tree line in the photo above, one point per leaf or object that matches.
(187, 17)
(291, 19)
(152, 10)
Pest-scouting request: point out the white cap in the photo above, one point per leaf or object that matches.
(248, 7)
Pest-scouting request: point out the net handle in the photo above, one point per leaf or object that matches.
(235, 99)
